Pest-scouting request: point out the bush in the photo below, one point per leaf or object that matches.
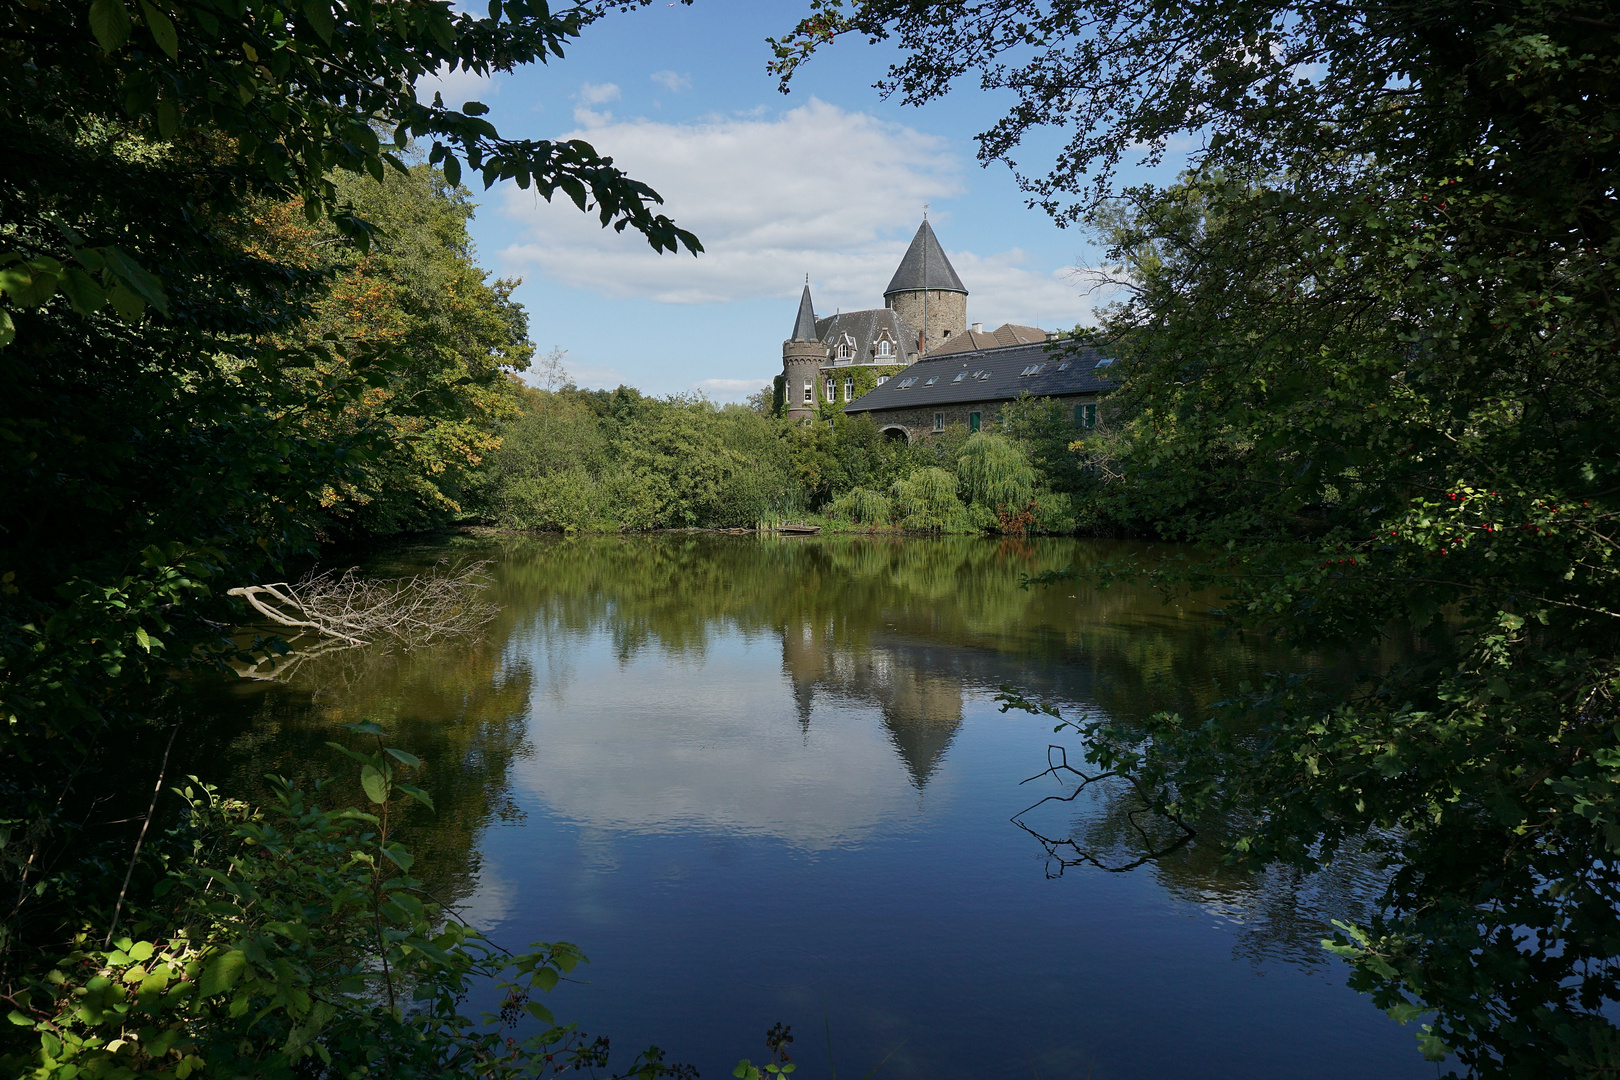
(296, 943)
(926, 501)
(994, 472)
(862, 506)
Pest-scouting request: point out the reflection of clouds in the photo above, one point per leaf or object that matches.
(662, 743)
(491, 899)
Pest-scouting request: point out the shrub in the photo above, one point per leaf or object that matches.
(295, 942)
(926, 501)
(862, 506)
(994, 472)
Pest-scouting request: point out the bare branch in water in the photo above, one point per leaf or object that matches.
(343, 610)
(1082, 856)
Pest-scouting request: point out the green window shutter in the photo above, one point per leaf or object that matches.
(973, 421)
(1079, 416)
(1091, 416)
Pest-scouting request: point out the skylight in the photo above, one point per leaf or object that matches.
(905, 384)
(1033, 369)
(960, 375)
(1107, 361)
(932, 380)
(1063, 365)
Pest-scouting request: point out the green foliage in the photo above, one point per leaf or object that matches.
(862, 506)
(209, 362)
(926, 501)
(602, 462)
(994, 473)
(296, 942)
(1368, 354)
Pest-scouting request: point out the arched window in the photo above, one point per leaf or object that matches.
(846, 348)
(885, 347)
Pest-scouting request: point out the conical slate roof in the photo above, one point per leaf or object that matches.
(925, 267)
(804, 327)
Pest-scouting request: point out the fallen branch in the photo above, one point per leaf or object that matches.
(346, 610)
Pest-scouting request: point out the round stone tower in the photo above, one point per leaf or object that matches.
(926, 292)
(802, 357)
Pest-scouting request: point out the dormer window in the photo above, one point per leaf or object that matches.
(885, 348)
(846, 348)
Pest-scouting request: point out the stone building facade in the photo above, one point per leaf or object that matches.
(917, 366)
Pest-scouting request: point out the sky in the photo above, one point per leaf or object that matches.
(830, 181)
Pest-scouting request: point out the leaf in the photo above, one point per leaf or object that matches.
(375, 784)
(162, 28)
(365, 727)
(408, 759)
(145, 643)
(127, 304)
(319, 14)
(221, 973)
(168, 118)
(452, 170)
(135, 278)
(416, 793)
(399, 857)
(109, 21)
(82, 292)
(8, 330)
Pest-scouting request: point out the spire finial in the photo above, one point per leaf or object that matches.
(807, 278)
(925, 211)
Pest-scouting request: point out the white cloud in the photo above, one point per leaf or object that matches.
(673, 81)
(816, 190)
(597, 93)
(458, 87)
(732, 389)
(587, 376)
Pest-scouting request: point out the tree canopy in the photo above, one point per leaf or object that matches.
(1368, 345)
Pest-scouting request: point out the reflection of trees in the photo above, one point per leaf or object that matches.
(909, 626)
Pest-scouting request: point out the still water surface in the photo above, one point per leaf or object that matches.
(767, 780)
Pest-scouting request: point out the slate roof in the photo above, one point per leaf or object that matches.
(973, 340)
(1000, 381)
(925, 256)
(804, 327)
(864, 327)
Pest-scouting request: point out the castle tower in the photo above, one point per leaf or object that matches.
(802, 357)
(926, 292)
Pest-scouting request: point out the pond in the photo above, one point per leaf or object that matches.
(766, 780)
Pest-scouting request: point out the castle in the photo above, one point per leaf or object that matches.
(921, 334)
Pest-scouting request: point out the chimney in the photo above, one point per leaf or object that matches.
(978, 328)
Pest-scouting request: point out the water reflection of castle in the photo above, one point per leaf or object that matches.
(920, 702)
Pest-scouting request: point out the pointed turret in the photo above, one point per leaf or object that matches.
(925, 267)
(926, 292)
(804, 327)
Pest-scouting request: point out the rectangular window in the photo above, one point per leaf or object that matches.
(849, 388)
(832, 389)
(973, 421)
(809, 392)
(939, 421)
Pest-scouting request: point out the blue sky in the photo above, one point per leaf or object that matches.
(829, 180)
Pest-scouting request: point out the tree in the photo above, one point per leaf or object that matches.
(169, 426)
(1367, 352)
